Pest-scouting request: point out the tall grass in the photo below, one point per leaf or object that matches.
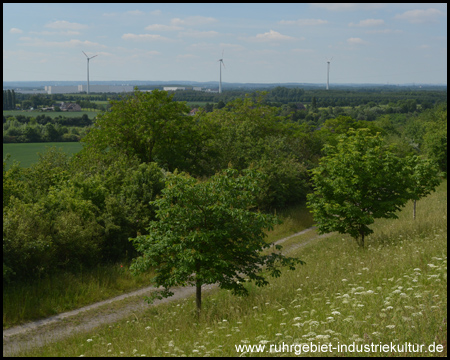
(295, 219)
(62, 292)
(395, 291)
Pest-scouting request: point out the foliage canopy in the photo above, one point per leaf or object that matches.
(143, 124)
(358, 180)
(209, 232)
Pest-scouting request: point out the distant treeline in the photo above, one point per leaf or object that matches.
(12, 100)
(275, 96)
(324, 98)
(43, 128)
(9, 100)
(80, 121)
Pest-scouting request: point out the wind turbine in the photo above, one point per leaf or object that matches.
(328, 72)
(220, 69)
(88, 58)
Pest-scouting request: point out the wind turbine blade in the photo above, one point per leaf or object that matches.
(94, 56)
(84, 53)
(223, 64)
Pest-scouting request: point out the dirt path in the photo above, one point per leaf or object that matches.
(38, 333)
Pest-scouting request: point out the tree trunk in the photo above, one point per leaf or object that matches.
(362, 238)
(414, 210)
(198, 297)
(198, 293)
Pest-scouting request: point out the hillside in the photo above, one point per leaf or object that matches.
(395, 291)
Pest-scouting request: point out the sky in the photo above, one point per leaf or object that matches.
(260, 43)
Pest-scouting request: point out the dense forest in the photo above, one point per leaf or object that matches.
(67, 213)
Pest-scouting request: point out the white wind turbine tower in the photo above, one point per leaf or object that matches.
(88, 58)
(220, 69)
(328, 73)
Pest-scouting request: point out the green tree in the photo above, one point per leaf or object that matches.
(220, 105)
(13, 100)
(425, 178)
(435, 140)
(358, 180)
(207, 232)
(143, 124)
(50, 133)
(8, 100)
(313, 103)
(26, 104)
(32, 134)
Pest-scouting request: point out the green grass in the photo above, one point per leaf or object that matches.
(27, 153)
(52, 114)
(100, 102)
(395, 291)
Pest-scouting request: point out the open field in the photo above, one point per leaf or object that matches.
(27, 153)
(52, 114)
(100, 102)
(393, 291)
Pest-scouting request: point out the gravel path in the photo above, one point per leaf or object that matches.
(38, 333)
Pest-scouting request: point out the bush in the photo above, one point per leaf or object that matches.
(59, 231)
(27, 244)
(286, 182)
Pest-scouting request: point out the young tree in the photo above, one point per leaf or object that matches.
(425, 178)
(207, 233)
(359, 180)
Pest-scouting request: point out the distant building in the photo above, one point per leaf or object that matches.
(34, 91)
(197, 88)
(173, 88)
(70, 107)
(74, 89)
(106, 88)
(193, 111)
(61, 89)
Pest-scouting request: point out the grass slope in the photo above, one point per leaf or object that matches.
(394, 291)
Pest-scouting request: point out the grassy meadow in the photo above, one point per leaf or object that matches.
(27, 153)
(393, 291)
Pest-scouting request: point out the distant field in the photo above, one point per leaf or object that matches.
(201, 103)
(100, 102)
(90, 114)
(27, 153)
